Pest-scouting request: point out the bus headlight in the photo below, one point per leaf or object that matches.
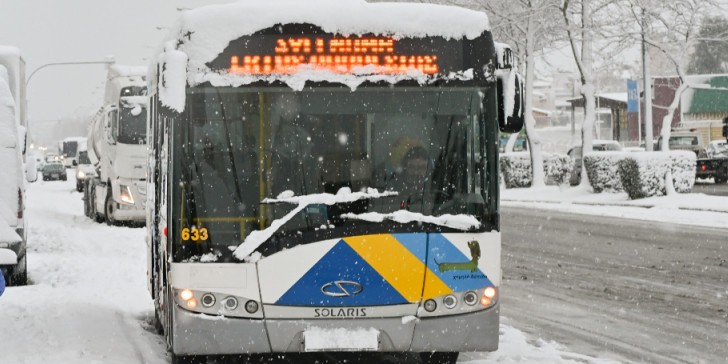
(470, 298)
(126, 196)
(231, 303)
(208, 300)
(430, 305)
(450, 301)
(251, 306)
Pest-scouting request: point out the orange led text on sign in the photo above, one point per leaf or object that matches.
(342, 55)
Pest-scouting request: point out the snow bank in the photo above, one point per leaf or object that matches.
(602, 168)
(516, 168)
(646, 174)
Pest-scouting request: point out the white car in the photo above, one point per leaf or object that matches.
(84, 170)
(576, 155)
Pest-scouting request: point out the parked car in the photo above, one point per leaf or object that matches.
(54, 171)
(576, 155)
(717, 149)
(513, 143)
(84, 170)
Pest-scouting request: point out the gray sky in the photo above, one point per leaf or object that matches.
(81, 30)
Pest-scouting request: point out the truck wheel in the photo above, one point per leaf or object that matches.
(109, 209)
(86, 207)
(79, 186)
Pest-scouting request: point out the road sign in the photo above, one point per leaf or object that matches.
(633, 96)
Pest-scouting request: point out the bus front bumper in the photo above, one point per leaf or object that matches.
(199, 334)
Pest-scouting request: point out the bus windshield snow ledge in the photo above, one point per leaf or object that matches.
(256, 238)
(460, 222)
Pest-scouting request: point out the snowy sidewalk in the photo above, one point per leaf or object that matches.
(686, 209)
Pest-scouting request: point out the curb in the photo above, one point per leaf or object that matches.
(612, 204)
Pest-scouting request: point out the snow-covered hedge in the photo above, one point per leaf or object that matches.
(602, 168)
(559, 167)
(515, 168)
(644, 174)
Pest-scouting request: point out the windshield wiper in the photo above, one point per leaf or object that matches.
(257, 238)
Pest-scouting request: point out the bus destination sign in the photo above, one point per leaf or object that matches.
(288, 54)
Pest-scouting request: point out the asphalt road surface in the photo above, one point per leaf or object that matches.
(620, 289)
(711, 189)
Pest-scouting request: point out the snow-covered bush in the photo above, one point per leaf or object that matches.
(602, 170)
(515, 168)
(644, 174)
(559, 167)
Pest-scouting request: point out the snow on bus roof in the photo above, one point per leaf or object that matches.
(118, 70)
(208, 30)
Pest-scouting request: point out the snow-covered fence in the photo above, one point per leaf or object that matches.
(515, 168)
(645, 174)
(602, 168)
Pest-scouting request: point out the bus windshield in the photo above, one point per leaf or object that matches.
(132, 125)
(242, 145)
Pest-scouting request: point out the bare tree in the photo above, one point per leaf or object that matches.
(527, 25)
(673, 28)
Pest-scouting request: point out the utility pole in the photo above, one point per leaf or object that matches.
(647, 88)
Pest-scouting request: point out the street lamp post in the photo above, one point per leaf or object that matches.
(108, 61)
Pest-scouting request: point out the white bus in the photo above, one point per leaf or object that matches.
(324, 178)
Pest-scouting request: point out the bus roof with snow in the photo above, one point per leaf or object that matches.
(328, 168)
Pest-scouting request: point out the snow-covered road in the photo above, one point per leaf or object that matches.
(88, 303)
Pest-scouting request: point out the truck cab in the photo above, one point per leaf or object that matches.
(685, 140)
(117, 150)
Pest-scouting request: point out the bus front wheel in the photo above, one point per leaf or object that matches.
(187, 359)
(439, 358)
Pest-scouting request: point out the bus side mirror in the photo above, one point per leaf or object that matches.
(510, 102)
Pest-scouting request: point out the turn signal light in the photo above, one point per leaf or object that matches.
(192, 303)
(186, 295)
(703, 168)
(488, 296)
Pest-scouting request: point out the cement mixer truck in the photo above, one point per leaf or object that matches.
(117, 149)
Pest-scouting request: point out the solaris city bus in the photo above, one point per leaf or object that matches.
(325, 178)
